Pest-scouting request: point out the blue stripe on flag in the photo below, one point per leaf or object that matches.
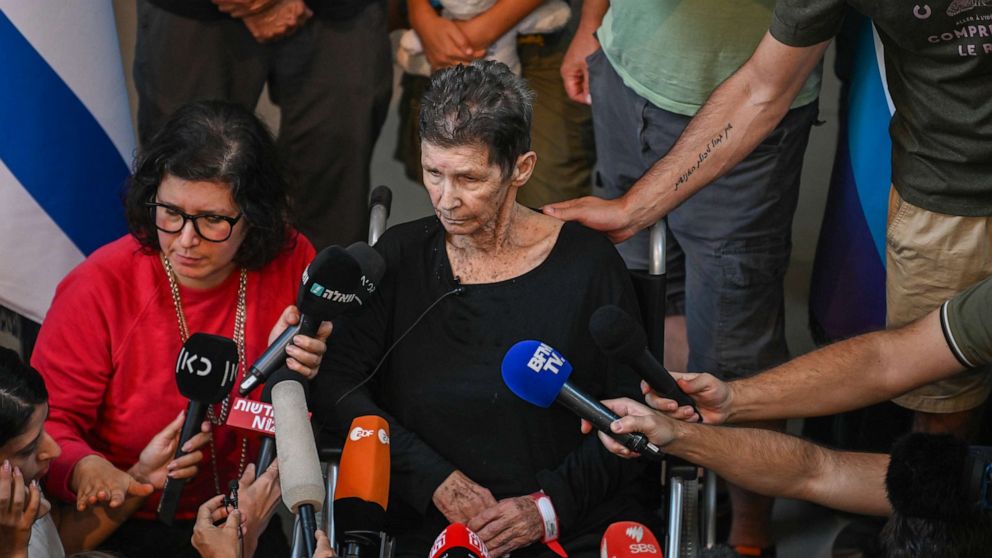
(868, 137)
(56, 148)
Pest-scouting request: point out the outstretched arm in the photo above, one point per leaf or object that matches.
(847, 375)
(735, 119)
(764, 461)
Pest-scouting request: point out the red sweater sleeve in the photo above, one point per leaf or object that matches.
(73, 355)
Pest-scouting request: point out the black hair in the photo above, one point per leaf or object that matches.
(222, 142)
(21, 389)
(482, 103)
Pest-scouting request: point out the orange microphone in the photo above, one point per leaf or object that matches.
(629, 539)
(362, 491)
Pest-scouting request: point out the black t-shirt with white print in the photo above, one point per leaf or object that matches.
(938, 65)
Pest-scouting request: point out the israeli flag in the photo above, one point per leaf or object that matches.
(847, 293)
(65, 142)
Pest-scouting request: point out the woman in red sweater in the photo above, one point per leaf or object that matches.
(211, 251)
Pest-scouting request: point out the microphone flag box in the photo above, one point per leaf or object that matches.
(248, 414)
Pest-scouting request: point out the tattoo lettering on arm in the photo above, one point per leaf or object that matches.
(710, 146)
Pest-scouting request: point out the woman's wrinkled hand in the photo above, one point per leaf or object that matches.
(513, 523)
(96, 480)
(19, 505)
(460, 499)
(303, 354)
(156, 462)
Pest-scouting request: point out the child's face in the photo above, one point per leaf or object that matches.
(32, 450)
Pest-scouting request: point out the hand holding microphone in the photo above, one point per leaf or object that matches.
(539, 375)
(634, 417)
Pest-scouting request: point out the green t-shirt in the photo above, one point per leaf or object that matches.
(967, 323)
(938, 66)
(675, 53)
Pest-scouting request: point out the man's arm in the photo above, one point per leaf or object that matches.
(763, 461)
(735, 119)
(847, 375)
(483, 29)
(574, 70)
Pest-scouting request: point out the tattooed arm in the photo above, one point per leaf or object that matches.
(735, 119)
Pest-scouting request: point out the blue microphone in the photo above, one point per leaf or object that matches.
(538, 374)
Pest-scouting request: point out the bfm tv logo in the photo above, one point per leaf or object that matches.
(545, 358)
(358, 433)
(334, 296)
(636, 534)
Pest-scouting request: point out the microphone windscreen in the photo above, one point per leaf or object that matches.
(629, 539)
(616, 333)
(372, 265)
(458, 541)
(299, 468)
(535, 372)
(383, 196)
(362, 491)
(329, 285)
(924, 479)
(207, 367)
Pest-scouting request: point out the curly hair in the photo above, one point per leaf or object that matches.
(219, 142)
(482, 103)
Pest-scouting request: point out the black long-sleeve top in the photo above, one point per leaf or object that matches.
(442, 391)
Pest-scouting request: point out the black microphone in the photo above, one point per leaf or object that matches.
(539, 375)
(621, 338)
(379, 205)
(300, 479)
(205, 371)
(336, 281)
(267, 447)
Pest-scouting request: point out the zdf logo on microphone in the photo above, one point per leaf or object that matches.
(359, 433)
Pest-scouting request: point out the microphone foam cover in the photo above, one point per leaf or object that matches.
(207, 367)
(535, 372)
(330, 284)
(383, 196)
(372, 265)
(458, 541)
(299, 469)
(627, 539)
(362, 491)
(924, 479)
(616, 333)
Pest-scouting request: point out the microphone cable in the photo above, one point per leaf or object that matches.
(458, 290)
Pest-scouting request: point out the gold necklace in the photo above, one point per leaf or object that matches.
(240, 316)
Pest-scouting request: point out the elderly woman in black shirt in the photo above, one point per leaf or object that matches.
(461, 288)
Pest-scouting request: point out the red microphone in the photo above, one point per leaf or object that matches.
(458, 541)
(629, 539)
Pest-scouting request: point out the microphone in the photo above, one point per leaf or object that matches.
(621, 338)
(299, 469)
(205, 371)
(336, 281)
(458, 541)
(362, 491)
(379, 204)
(539, 375)
(267, 447)
(629, 539)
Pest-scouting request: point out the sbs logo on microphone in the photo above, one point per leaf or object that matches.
(635, 532)
(358, 433)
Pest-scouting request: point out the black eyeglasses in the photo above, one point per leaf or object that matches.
(213, 228)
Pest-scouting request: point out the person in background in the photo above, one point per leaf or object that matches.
(327, 65)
